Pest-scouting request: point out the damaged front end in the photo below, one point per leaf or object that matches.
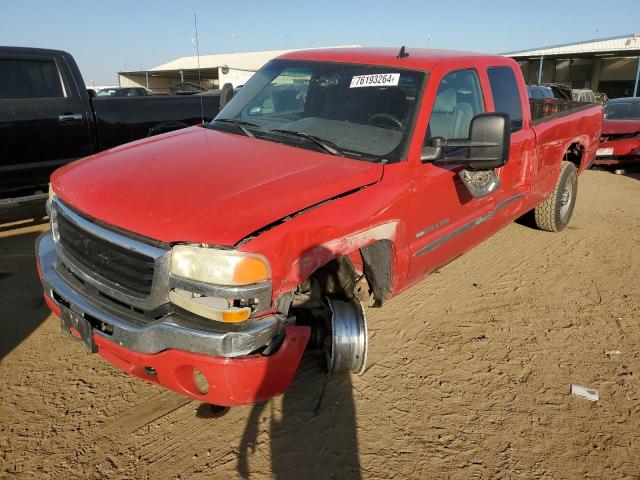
(146, 309)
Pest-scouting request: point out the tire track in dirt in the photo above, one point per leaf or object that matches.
(92, 449)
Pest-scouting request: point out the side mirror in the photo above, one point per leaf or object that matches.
(91, 92)
(226, 94)
(488, 144)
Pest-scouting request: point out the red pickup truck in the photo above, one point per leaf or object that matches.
(207, 260)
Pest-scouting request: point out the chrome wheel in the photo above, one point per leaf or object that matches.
(346, 346)
(566, 197)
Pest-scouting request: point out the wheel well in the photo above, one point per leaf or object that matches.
(574, 154)
(359, 275)
(337, 278)
(362, 273)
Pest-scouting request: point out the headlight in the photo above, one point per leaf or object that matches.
(219, 267)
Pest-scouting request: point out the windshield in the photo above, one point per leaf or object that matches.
(622, 111)
(360, 111)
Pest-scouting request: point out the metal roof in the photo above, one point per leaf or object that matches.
(621, 43)
(250, 61)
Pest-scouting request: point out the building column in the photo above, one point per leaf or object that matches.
(540, 69)
(596, 73)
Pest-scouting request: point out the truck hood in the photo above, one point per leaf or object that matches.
(617, 127)
(201, 185)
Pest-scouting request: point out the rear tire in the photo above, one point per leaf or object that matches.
(554, 213)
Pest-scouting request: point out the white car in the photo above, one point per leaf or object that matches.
(583, 95)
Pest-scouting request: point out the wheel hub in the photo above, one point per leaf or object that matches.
(565, 198)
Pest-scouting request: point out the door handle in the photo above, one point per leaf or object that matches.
(70, 118)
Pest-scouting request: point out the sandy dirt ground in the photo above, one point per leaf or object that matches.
(469, 375)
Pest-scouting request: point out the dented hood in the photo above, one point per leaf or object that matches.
(618, 127)
(201, 185)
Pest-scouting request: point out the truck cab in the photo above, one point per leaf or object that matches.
(45, 117)
(333, 178)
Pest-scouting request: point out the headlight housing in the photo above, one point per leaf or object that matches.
(218, 267)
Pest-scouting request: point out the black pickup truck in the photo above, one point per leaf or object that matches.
(48, 118)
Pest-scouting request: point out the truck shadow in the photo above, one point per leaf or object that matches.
(22, 307)
(303, 442)
(311, 428)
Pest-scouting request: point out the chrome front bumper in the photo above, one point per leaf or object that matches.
(169, 332)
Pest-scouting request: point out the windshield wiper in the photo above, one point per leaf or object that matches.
(321, 142)
(241, 124)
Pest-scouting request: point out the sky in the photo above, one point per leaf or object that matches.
(105, 36)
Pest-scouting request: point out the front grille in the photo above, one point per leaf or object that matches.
(128, 271)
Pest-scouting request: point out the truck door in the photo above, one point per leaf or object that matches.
(447, 219)
(515, 176)
(43, 119)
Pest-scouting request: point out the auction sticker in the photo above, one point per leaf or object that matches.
(375, 80)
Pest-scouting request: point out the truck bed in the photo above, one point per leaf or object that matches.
(559, 124)
(543, 110)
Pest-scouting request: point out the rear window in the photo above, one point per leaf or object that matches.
(506, 96)
(21, 79)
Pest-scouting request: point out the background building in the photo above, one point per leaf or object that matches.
(214, 70)
(609, 65)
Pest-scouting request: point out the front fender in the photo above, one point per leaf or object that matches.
(316, 257)
(298, 247)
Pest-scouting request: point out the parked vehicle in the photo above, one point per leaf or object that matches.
(620, 140)
(123, 92)
(48, 119)
(208, 259)
(560, 90)
(186, 88)
(584, 95)
(601, 97)
(539, 92)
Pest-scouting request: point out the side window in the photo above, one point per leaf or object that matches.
(458, 100)
(285, 94)
(506, 96)
(21, 79)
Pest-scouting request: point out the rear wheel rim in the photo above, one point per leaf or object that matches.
(566, 198)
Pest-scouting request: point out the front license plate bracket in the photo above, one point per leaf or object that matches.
(77, 327)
